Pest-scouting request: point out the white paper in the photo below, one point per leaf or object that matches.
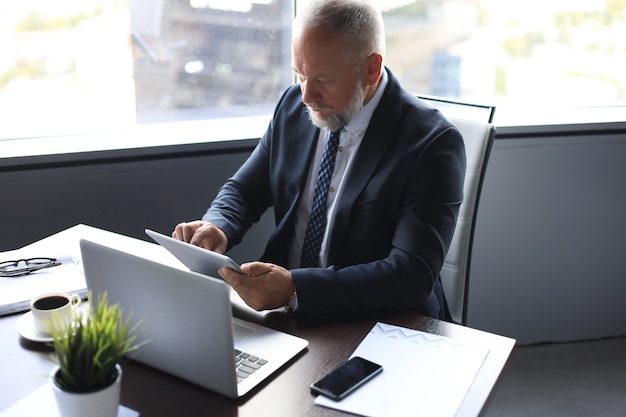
(41, 402)
(68, 277)
(16, 292)
(423, 374)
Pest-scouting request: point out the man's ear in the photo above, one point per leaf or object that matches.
(374, 67)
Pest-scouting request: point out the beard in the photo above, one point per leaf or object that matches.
(337, 119)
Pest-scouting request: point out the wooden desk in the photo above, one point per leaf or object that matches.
(25, 366)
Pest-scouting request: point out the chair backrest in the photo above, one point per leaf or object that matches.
(478, 138)
(463, 110)
(474, 121)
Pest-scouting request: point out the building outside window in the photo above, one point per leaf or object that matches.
(81, 66)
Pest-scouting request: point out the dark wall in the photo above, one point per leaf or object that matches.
(122, 194)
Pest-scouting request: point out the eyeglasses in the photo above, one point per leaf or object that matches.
(25, 266)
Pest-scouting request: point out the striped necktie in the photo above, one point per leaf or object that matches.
(316, 227)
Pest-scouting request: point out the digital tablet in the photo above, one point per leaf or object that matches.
(193, 257)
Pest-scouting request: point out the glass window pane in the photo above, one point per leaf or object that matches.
(542, 58)
(103, 65)
(211, 58)
(74, 66)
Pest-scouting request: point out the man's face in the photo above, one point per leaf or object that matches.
(332, 89)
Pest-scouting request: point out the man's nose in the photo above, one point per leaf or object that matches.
(309, 93)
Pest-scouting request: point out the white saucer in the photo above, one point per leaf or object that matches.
(26, 329)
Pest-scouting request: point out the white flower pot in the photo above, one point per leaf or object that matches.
(103, 403)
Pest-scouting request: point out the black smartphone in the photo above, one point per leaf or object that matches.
(347, 378)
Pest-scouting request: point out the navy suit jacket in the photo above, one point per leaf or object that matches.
(394, 220)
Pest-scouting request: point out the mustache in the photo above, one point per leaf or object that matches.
(317, 107)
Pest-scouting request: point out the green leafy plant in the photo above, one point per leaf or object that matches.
(90, 346)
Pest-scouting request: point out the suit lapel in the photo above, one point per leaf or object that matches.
(303, 142)
(379, 137)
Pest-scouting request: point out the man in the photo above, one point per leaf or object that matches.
(394, 194)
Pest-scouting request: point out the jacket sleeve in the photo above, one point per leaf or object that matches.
(243, 199)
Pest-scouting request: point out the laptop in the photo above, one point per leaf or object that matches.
(193, 257)
(188, 319)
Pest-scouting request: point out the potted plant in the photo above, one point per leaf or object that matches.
(89, 352)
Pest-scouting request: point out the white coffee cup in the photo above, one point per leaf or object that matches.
(53, 306)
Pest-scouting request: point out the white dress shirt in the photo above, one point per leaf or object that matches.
(349, 142)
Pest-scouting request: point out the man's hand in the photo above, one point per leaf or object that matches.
(203, 234)
(263, 286)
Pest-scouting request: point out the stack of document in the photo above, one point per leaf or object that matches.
(423, 374)
(16, 292)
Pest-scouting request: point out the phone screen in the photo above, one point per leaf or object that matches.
(347, 378)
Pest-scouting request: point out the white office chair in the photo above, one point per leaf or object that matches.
(478, 137)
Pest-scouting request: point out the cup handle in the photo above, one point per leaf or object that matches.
(75, 300)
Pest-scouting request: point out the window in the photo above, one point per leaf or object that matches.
(80, 66)
(77, 66)
(538, 61)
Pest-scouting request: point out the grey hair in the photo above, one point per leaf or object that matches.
(358, 22)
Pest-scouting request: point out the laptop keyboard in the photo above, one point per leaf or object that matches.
(246, 364)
